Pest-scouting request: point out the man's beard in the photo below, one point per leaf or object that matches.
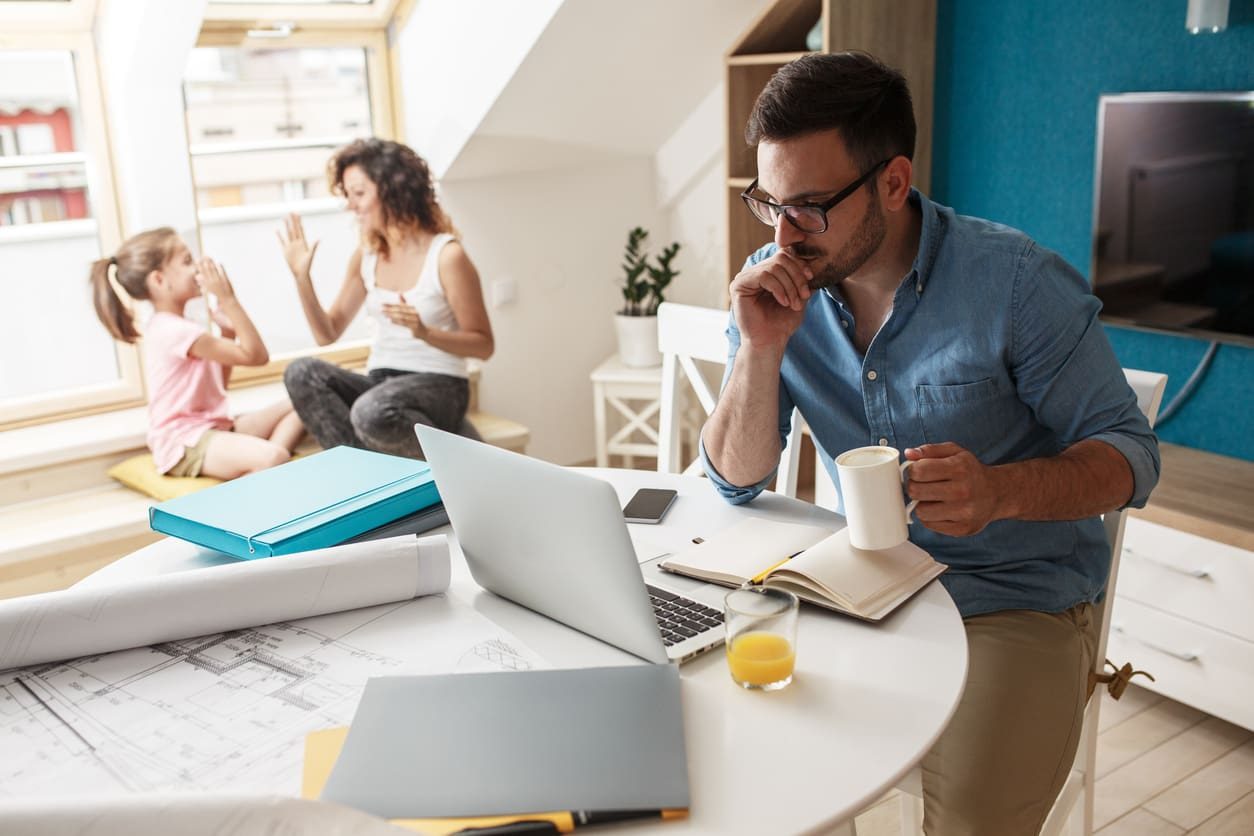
(865, 240)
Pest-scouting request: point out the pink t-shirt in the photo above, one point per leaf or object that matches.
(186, 395)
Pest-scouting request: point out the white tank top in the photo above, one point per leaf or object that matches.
(395, 347)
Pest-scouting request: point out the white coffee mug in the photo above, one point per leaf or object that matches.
(871, 487)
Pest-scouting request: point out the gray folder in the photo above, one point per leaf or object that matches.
(517, 742)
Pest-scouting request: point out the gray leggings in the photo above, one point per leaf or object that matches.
(377, 410)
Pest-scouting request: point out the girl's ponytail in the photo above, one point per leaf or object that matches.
(113, 313)
(137, 258)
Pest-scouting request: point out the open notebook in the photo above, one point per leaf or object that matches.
(824, 569)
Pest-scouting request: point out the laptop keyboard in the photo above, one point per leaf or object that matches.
(681, 618)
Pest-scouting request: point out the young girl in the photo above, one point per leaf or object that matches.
(420, 289)
(190, 431)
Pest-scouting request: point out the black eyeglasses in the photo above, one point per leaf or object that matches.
(810, 218)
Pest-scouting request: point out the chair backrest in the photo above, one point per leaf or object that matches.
(686, 334)
(1149, 388)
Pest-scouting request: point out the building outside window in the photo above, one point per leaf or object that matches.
(42, 173)
(261, 123)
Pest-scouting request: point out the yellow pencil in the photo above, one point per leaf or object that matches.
(761, 576)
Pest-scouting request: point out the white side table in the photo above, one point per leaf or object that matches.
(636, 395)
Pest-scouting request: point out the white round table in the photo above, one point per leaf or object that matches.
(867, 702)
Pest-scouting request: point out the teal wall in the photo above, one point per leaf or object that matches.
(1017, 85)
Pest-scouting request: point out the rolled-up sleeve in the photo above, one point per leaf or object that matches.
(1067, 373)
(740, 494)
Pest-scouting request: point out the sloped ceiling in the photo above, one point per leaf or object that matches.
(604, 80)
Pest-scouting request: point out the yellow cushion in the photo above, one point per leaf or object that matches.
(139, 473)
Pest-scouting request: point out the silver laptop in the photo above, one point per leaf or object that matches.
(555, 542)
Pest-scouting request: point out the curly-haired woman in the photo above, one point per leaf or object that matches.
(422, 293)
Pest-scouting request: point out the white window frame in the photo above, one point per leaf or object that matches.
(47, 16)
(31, 33)
(384, 119)
(261, 16)
(8, 141)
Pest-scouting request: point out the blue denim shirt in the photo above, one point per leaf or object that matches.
(993, 343)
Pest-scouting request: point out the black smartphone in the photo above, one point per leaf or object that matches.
(649, 505)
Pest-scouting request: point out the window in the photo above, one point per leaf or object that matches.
(56, 217)
(307, 13)
(59, 209)
(261, 123)
(264, 114)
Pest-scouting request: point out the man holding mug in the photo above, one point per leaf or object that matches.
(889, 320)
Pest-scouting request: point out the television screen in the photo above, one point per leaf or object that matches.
(1173, 239)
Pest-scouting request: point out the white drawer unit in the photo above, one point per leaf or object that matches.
(1184, 611)
(1198, 579)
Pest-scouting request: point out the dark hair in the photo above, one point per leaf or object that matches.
(137, 258)
(403, 179)
(853, 92)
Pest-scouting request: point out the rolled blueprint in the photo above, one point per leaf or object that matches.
(76, 622)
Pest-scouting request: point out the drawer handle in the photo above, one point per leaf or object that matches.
(1202, 574)
(1182, 655)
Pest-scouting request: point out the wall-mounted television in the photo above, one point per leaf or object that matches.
(1173, 215)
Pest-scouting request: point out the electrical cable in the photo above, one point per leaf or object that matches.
(1186, 391)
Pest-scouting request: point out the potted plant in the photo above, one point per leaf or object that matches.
(643, 287)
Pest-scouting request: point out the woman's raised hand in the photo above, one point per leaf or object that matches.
(297, 252)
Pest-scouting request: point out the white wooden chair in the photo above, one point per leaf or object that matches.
(1073, 809)
(1076, 796)
(687, 334)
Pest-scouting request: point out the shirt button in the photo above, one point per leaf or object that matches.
(844, 324)
(871, 375)
(883, 442)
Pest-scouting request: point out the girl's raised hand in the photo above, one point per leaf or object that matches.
(297, 252)
(213, 280)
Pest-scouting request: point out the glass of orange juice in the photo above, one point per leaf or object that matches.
(761, 625)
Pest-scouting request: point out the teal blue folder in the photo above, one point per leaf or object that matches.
(309, 503)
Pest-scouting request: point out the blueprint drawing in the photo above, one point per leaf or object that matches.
(224, 712)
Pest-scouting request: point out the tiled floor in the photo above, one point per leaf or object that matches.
(1163, 769)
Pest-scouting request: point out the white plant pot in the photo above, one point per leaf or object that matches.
(637, 341)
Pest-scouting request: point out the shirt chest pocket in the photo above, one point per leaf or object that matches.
(974, 415)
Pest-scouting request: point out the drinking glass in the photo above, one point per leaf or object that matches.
(761, 624)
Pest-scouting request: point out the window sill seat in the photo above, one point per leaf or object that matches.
(62, 517)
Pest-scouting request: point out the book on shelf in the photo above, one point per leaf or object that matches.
(816, 564)
(308, 503)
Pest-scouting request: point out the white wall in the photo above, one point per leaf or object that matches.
(557, 226)
(559, 235)
(587, 140)
(690, 169)
(143, 47)
(455, 57)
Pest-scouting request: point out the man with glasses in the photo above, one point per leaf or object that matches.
(889, 319)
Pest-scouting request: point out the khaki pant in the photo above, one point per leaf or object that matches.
(1002, 761)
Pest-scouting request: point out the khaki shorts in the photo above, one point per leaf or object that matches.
(194, 459)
